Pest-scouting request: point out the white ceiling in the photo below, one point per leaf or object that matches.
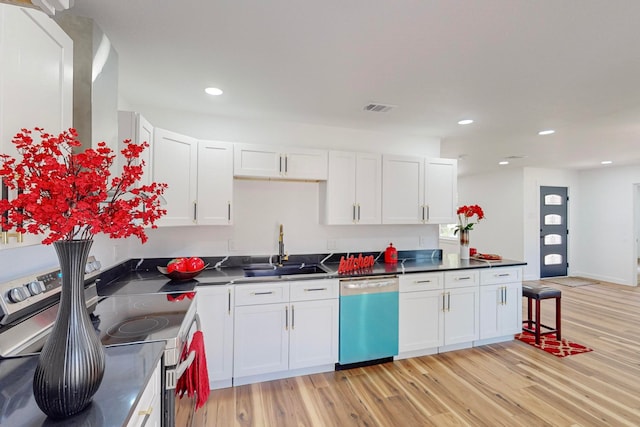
(514, 66)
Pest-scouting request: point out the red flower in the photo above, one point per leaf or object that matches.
(72, 195)
(465, 213)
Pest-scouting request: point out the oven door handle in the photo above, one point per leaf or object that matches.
(173, 375)
(183, 366)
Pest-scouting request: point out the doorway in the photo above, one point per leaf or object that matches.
(554, 232)
(636, 221)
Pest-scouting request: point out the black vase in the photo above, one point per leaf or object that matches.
(71, 364)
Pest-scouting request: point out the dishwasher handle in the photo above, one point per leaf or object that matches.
(355, 287)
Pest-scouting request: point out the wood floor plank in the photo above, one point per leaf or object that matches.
(504, 384)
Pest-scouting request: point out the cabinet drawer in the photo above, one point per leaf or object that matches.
(491, 276)
(421, 282)
(461, 278)
(308, 290)
(264, 293)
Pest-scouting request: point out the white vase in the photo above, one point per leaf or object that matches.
(464, 244)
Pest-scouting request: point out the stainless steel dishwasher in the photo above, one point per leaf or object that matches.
(368, 321)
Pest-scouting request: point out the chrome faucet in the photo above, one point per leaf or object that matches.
(281, 255)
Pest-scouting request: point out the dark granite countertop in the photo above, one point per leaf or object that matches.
(128, 370)
(137, 275)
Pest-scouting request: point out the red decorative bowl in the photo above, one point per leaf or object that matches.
(181, 275)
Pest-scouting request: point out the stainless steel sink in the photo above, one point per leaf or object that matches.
(259, 270)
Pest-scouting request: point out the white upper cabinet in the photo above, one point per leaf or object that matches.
(133, 126)
(441, 190)
(175, 162)
(265, 161)
(353, 188)
(402, 189)
(36, 79)
(416, 190)
(199, 175)
(215, 183)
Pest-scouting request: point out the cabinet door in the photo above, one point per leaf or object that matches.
(511, 311)
(175, 160)
(461, 315)
(441, 190)
(257, 161)
(215, 182)
(304, 163)
(421, 323)
(341, 188)
(313, 337)
(261, 343)
(135, 127)
(500, 310)
(402, 190)
(215, 308)
(491, 300)
(36, 80)
(369, 188)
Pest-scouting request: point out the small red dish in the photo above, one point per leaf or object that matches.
(181, 275)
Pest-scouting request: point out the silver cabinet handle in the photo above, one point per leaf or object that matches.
(443, 309)
(293, 317)
(427, 206)
(448, 301)
(229, 211)
(422, 281)
(314, 289)
(422, 213)
(353, 213)
(464, 278)
(195, 211)
(286, 317)
(280, 167)
(358, 212)
(229, 302)
(286, 164)
(262, 293)
(503, 275)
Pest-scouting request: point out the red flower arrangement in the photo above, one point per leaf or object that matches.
(465, 213)
(72, 195)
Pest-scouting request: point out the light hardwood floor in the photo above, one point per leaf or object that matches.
(508, 384)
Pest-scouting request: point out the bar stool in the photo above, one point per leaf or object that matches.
(539, 293)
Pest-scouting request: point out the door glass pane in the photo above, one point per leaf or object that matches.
(553, 259)
(552, 200)
(552, 239)
(552, 219)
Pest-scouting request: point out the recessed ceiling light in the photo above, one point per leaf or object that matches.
(213, 91)
(465, 122)
(606, 162)
(504, 162)
(546, 132)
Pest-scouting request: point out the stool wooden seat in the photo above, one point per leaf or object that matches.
(535, 326)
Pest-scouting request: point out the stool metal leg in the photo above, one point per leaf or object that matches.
(558, 319)
(538, 324)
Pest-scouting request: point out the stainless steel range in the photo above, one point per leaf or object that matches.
(29, 305)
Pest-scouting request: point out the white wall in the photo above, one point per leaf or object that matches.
(605, 243)
(500, 196)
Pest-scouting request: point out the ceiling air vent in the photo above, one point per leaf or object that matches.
(378, 108)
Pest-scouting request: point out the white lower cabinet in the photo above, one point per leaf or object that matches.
(285, 329)
(438, 312)
(148, 412)
(216, 310)
(501, 302)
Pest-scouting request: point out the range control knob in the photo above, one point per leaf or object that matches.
(36, 287)
(17, 295)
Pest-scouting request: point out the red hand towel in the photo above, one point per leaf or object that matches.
(196, 378)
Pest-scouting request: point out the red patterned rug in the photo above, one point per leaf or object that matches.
(550, 345)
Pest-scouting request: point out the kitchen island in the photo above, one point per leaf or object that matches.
(129, 370)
